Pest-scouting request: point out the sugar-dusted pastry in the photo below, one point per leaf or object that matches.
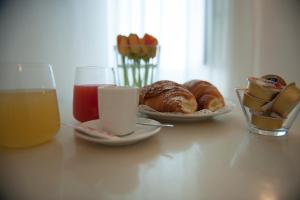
(168, 96)
(206, 94)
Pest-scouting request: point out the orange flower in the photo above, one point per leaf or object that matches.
(134, 44)
(144, 50)
(122, 42)
(149, 45)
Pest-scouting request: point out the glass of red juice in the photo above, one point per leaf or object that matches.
(85, 97)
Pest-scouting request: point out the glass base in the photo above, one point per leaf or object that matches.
(276, 132)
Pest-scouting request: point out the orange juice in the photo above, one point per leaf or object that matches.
(28, 117)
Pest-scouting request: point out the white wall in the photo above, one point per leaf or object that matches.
(264, 39)
(280, 39)
(63, 33)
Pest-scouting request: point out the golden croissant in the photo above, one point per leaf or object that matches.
(168, 96)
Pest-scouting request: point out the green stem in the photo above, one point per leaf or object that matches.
(146, 72)
(139, 73)
(133, 71)
(125, 72)
(152, 72)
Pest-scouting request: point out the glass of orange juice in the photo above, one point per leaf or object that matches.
(29, 113)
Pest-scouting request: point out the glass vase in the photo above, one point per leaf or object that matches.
(136, 71)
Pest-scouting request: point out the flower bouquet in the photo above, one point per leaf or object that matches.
(137, 60)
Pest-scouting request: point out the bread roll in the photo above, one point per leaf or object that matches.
(206, 94)
(168, 96)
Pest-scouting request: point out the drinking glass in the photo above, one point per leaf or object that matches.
(29, 113)
(85, 97)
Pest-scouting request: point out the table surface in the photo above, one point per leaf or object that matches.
(211, 159)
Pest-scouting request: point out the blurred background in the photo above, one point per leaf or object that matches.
(222, 41)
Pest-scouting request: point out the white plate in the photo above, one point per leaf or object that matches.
(142, 132)
(181, 117)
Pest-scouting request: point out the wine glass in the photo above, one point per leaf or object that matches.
(85, 91)
(29, 113)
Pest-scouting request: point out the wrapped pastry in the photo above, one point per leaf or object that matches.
(275, 79)
(253, 103)
(263, 88)
(288, 98)
(266, 122)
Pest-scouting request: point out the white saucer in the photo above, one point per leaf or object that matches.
(142, 132)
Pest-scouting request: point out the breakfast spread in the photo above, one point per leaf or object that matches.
(192, 96)
(270, 100)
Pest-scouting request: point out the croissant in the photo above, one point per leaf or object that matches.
(206, 94)
(168, 96)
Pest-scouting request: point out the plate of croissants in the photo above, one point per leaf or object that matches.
(193, 100)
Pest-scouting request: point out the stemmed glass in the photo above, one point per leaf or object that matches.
(85, 91)
(29, 113)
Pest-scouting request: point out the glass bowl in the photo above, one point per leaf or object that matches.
(283, 130)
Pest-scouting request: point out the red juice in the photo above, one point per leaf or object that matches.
(85, 102)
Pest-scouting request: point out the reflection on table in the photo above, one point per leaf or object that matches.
(211, 159)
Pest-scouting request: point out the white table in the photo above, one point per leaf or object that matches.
(214, 159)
